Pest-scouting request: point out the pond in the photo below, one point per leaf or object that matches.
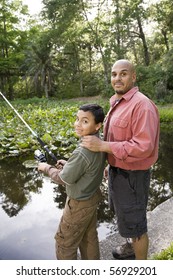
(31, 205)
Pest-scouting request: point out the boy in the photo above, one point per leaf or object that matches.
(82, 175)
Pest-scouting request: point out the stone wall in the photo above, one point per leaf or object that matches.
(160, 232)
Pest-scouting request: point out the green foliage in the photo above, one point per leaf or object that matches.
(12, 42)
(149, 81)
(52, 120)
(166, 254)
(70, 51)
(166, 114)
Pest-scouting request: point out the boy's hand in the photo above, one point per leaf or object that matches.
(60, 162)
(42, 166)
(106, 172)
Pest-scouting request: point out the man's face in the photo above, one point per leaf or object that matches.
(85, 124)
(123, 77)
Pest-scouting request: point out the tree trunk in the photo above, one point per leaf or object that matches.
(142, 36)
(164, 33)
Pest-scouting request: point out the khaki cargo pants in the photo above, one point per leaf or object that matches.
(78, 229)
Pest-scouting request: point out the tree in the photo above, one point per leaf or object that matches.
(162, 15)
(11, 43)
(135, 15)
(39, 64)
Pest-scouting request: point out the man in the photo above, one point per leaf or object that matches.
(131, 140)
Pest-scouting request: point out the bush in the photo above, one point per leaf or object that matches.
(165, 254)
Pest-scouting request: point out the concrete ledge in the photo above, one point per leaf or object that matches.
(160, 232)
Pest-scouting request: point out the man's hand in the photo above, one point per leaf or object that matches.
(92, 143)
(95, 144)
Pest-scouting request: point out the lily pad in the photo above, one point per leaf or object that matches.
(30, 164)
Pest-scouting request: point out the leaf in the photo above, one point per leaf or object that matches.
(47, 138)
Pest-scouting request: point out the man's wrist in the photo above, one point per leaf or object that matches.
(105, 147)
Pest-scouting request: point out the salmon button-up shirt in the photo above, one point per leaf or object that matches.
(132, 128)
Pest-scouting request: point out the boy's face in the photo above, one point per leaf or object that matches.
(85, 124)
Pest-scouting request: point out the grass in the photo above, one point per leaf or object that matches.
(166, 254)
(166, 113)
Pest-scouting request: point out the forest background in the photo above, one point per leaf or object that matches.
(68, 49)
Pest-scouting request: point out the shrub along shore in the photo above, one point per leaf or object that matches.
(52, 120)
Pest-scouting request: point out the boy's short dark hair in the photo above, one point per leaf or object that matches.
(96, 110)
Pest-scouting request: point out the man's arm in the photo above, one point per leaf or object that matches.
(140, 146)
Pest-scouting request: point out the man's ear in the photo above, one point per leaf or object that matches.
(134, 77)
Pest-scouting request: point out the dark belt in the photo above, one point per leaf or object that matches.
(125, 172)
(121, 171)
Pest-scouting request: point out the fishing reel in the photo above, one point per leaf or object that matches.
(40, 156)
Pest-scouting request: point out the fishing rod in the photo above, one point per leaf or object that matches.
(38, 154)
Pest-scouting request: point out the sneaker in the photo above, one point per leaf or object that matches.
(124, 252)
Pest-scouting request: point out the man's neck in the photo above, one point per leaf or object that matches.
(118, 96)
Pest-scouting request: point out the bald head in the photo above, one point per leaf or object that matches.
(123, 76)
(126, 63)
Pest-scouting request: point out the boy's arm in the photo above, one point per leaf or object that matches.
(51, 171)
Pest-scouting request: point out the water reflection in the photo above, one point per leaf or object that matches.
(31, 205)
(162, 179)
(17, 185)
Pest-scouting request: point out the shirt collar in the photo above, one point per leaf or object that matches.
(127, 96)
